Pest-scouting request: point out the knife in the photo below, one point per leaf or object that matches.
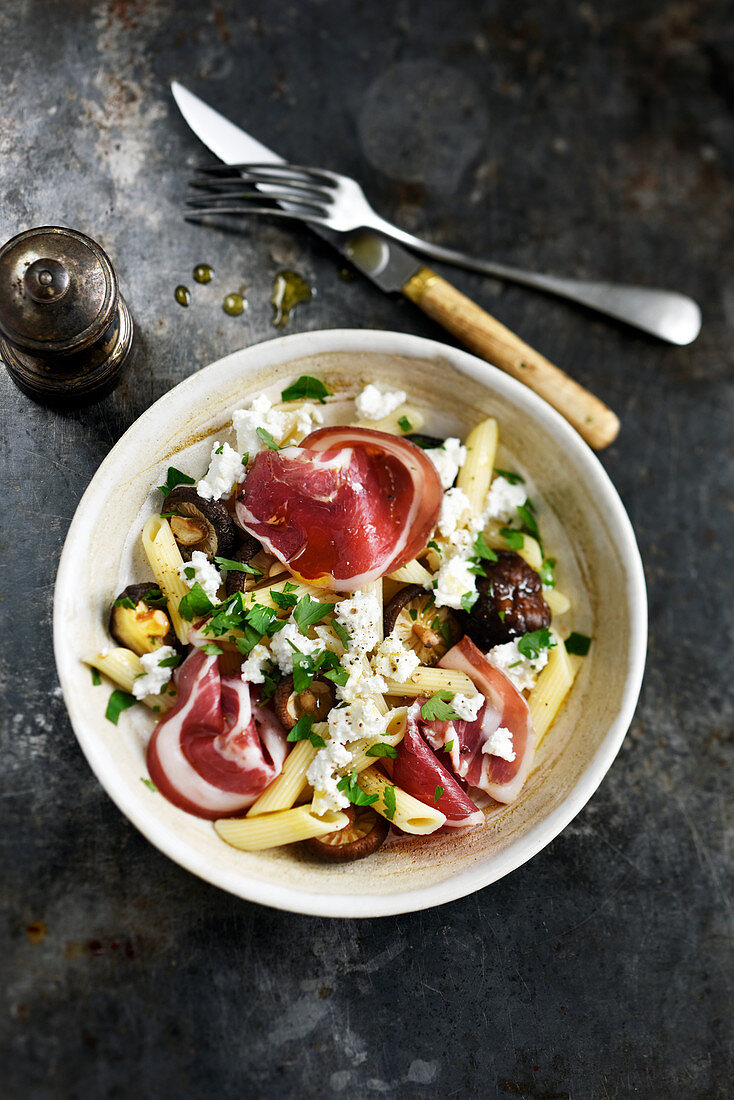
(395, 270)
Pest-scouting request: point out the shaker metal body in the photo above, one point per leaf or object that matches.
(65, 330)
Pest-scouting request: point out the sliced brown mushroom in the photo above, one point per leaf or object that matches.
(236, 580)
(428, 630)
(365, 833)
(510, 602)
(199, 524)
(316, 701)
(140, 625)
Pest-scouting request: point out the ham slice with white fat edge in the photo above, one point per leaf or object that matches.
(213, 754)
(346, 507)
(418, 771)
(504, 707)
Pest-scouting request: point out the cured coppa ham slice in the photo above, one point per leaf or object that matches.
(346, 507)
(504, 707)
(418, 771)
(212, 754)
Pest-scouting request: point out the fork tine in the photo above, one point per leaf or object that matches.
(247, 196)
(246, 211)
(237, 183)
(297, 171)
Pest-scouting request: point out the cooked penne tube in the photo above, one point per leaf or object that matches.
(391, 424)
(426, 681)
(412, 573)
(557, 601)
(475, 475)
(123, 667)
(285, 790)
(529, 551)
(552, 687)
(394, 735)
(262, 595)
(253, 834)
(165, 560)
(374, 588)
(408, 814)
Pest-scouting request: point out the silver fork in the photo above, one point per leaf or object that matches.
(322, 197)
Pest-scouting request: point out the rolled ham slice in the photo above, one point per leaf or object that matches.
(213, 753)
(346, 507)
(419, 771)
(504, 707)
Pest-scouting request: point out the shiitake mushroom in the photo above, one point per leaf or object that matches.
(315, 701)
(428, 630)
(199, 524)
(365, 833)
(510, 602)
(236, 581)
(140, 625)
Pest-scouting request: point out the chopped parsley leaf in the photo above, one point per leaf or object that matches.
(445, 627)
(531, 644)
(338, 676)
(477, 569)
(349, 786)
(404, 424)
(170, 662)
(284, 600)
(433, 545)
(195, 603)
(317, 740)
(265, 437)
(578, 644)
(306, 666)
(439, 707)
(546, 573)
(482, 550)
(307, 612)
(96, 678)
(449, 745)
(272, 679)
(382, 750)
(514, 539)
(149, 783)
(413, 613)
(529, 522)
(501, 615)
(220, 449)
(124, 601)
(388, 798)
(189, 572)
(305, 386)
(238, 566)
(173, 478)
(211, 649)
(245, 458)
(302, 729)
(341, 632)
(514, 479)
(119, 701)
(437, 794)
(468, 600)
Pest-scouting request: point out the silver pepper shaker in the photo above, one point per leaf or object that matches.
(65, 329)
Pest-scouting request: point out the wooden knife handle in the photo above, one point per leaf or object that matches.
(486, 336)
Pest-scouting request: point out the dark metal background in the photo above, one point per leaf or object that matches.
(579, 138)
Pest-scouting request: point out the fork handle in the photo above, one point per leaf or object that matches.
(482, 333)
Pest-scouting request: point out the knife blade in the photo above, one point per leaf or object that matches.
(395, 270)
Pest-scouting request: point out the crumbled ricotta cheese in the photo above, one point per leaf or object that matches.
(360, 719)
(373, 403)
(454, 580)
(253, 666)
(447, 459)
(520, 671)
(467, 706)
(225, 469)
(361, 615)
(455, 512)
(394, 660)
(503, 500)
(500, 744)
(155, 678)
(260, 414)
(362, 680)
(282, 649)
(346, 724)
(306, 417)
(204, 572)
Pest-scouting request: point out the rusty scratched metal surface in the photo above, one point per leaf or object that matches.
(589, 139)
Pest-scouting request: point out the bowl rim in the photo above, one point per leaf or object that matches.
(276, 352)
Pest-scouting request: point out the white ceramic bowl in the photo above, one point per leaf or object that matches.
(583, 522)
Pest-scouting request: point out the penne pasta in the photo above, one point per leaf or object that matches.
(557, 601)
(408, 814)
(551, 688)
(286, 789)
(412, 573)
(529, 551)
(393, 736)
(254, 834)
(391, 424)
(123, 667)
(165, 560)
(475, 475)
(262, 595)
(427, 681)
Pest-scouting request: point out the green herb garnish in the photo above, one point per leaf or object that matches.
(267, 439)
(284, 600)
(546, 573)
(338, 676)
(173, 478)
(449, 745)
(468, 600)
(96, 678)
(514, 539)
(382, 750)
(149, 783)
(341, 632)
(438, 707)
(306, 666)
(514, 479)
(437, 794)
(189, 572)
(238, 566)
(124, 601)
(404, 424)
(170, 662)
(305, 386)
(349, 786)
(119, 701)
(433, 545)
(302, 729)
(220, 449)
(578, 644)
(195, 604)
(388, 798)
(530, 645)
(526, 513)
(307, 612)
(212, 649)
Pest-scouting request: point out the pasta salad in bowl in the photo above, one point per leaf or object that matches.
(348, 622)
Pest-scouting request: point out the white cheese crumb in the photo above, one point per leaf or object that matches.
(467, 706)
(373, 403)
(361, 615)
(447, 459)
(455, 512)
(454, 581)
(155, 677)
(306, 417)
(225, 470)
(360, 719)
(253, 667)
(205, 573)
(362, 680)
(394, 660)
(346, 724)
(520, 671)
(503, 500)
(282, 650)
(500, 744)
(260, 414)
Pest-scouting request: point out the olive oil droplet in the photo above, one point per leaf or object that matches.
(203, 273)
(182, 295)
(288, 290)
(233, 304)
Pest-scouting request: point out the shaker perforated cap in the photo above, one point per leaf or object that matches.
(58, 290)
